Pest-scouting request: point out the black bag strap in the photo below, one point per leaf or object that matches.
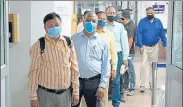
(42, 45)
(68, 40)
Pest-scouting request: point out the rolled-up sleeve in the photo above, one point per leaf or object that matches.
(75, 71)
(34, 71)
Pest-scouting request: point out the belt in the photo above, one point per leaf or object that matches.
(52, 90)
(150, 45)
(85, 79)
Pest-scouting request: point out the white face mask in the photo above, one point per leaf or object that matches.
(132, 17)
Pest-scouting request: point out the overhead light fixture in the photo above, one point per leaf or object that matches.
(100, 2)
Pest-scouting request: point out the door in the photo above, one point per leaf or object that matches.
(5, 102)
(173, 94)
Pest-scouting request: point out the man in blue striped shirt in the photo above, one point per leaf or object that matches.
(121, 39)
(150, 30)
(92, 54)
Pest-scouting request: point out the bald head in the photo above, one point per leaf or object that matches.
(91, 16)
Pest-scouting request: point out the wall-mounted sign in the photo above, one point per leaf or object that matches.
(158, 9)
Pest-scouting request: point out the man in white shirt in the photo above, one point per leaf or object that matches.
(80, 25)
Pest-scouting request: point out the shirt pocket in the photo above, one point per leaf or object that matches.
(66, 56)
(96, 52)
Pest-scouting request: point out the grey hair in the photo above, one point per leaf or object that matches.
(85, 16)
(109, 7)
(149, 8)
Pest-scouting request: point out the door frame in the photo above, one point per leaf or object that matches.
(169, 47)
(173, 72)
(5, 67)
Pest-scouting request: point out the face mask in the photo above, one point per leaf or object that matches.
(111, 18)
(150, 17)
(101, 23)
(54, 32)
(132, 17)
(89, 27)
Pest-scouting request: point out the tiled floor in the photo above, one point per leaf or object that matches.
(143, 100)
(139, 100)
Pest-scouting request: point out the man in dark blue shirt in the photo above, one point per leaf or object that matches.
(150, 30)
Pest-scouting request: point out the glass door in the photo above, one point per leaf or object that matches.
(173, 97)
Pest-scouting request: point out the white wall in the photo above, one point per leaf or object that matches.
(3, 92)
(31, 27)
(142, 5)
(19, 55)
(40, 8)
(38, 11)
(65, 10)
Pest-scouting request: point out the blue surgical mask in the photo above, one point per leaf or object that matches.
(101, 23)
(54, 32)
(90, 27)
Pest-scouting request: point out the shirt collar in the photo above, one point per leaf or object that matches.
(83, 34)
(81, 23)
(155, 19)
(48, 38)
(114, 24)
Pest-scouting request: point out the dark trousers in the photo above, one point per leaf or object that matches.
(88, 89)
(126, 80)
(121, 86)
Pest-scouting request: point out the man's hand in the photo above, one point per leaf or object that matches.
(163, 50)
(113, 74)
(141, 51)
(34, 103)
(75, 99)
(100, 93)
(125, 63)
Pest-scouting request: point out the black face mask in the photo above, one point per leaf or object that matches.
(111, 18)
(150, 17)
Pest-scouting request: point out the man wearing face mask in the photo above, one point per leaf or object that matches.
(149, 31)
(131, 15)
(53, 68)
(80, 26)
(92, 55)
(122, 47)
(109, 38)
(130, 73)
